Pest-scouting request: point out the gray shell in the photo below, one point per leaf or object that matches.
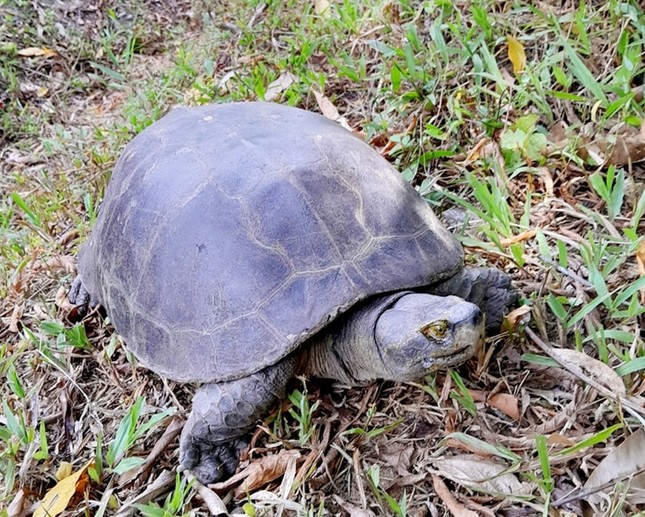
(231, 233)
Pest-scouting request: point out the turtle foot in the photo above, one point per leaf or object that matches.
(81, 297)
(210, 462)
(488, 288)
(223, 417)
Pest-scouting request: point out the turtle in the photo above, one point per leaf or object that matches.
(241, 244)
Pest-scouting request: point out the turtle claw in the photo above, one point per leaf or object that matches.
(208, 461)
(81, 297)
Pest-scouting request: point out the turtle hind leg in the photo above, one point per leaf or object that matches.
(488, 288)
(223, 415)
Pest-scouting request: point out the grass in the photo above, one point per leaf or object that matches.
(431, 85)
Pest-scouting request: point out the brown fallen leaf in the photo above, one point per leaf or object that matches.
(16, 314)
(399, 456)
(520, 237)
(475, 153)
(557, 135)
(591, 367)
(281, 84)
(259, 473)
(330, 111)
(213, 502)
(516, 54)
(61, 300)
(619, 465)
(57, 499)
(17, 506)
(547, 179)
(635, 405)
(627, 146)
(505, 402)
(454, 507)
(621, 145)
(352, 509)
(484, 475)
(37, 52)
(519, 316)
(159, 486)
(64, 263)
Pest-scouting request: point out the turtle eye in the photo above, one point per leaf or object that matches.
(436, 329)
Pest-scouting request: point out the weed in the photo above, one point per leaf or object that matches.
(129, 431)
(174, 504)
(398, 508)
(303, 413)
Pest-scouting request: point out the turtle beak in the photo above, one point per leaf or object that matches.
(446, 359)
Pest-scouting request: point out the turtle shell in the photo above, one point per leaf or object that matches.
(231, 233)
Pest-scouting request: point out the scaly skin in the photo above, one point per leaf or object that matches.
(223, 415)
(488, 288)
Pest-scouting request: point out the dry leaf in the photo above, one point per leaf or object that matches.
(61, 300)
(281, 84)
(475, 152)
(621, 145)
(57, 499)
(58, 263)
(520, 237)
(624, 461)
(519, 316)
(16, 314)
(330, 111)
(516, 54)
(505, 402)
(454, 507)
(213, 502)
(266, 470)
(479, 474)
(37, 52)
(557, 135)
(64, 470)
(398, 456)
(352, 509)
(591, 367)
(259, 473)
(547, 179)
(159, 486)
(321, 8)
(17, 505)
(640, 262)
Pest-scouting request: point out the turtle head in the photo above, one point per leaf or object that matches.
(421, 333)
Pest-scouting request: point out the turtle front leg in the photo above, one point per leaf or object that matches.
(223, 415)
(488, 288)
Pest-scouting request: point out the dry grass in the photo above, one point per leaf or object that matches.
(430, 85)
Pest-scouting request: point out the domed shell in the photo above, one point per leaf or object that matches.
(231, 233)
